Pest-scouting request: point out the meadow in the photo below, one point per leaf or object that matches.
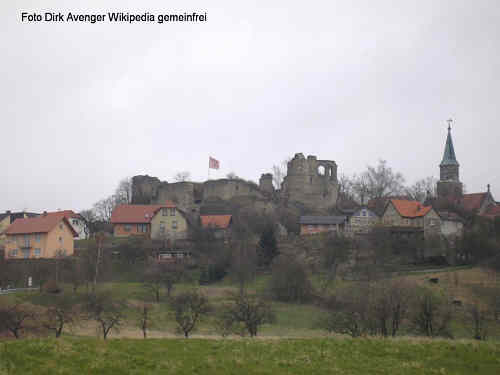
(71, 355)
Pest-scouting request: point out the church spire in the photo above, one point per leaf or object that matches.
(449, 157)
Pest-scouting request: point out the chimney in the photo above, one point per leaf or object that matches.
(44, 213)
(489, 188)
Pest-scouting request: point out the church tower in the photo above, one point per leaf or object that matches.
(449, 185)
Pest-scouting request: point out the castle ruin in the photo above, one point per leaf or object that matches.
(310, 183)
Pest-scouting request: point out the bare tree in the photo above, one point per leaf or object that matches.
(106, 311)
(182, 176)
(289, 281)
(346, 186)
(104, 208)
(153, 281)
(173, 273)
(243, 262)
(74, 273)
(420, 189)
(432, 315)
(481, 320)
(123, 193)
(145, 320)
(349, 312)
(360, 187)
(382, 181)
(60, 312)
(279, 173)
(248, 310)
(15, 318)
(390, 303)
(336, 250)
(189, 307)
(161, 275)
(90, 220)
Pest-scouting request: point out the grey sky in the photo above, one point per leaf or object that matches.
(354, 81)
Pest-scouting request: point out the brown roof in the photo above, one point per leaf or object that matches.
(378, 205)
(219, 221)
(68, 214)
(472, 202)
(492, 212)
(39, 224)
(411, 209)
(137, 213)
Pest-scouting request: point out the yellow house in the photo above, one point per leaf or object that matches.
(169, 223)
(44, 236)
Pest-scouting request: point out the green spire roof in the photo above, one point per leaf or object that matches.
(449, 157)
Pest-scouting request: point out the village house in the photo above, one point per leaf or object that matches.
(322, 224)
(478, 203)
(158, 222)
(76, 221)
(412, 216)
(362, 220)
(44, 236)
(221, 224)
(8, 217)
(492, 212)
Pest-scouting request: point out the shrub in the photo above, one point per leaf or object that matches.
(289, 281)
(51, 287)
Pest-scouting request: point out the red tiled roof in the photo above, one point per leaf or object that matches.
(492, 212)
(219, 221)
(68, 214)
(473, 201)
(39, 224)
(411, 209)
(137, 213)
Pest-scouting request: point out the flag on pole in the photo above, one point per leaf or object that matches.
(213, 163)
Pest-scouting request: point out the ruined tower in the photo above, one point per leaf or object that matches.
(311, 182)
(266, 183)
(449, 186)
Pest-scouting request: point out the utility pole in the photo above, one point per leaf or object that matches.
(99, 239)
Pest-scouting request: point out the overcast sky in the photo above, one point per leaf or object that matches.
(85, 105)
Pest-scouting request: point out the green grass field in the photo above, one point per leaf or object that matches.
(72, 355)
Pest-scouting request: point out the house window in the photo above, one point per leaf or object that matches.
(164, 212)
(60, 240)
(13, 253)
(26, 253)
(142, 228)
(37, 237)
(363, 213)
(60, 226)
(174, 224)
(172, 211)
(127, 227)
(75, 222)
(26, 240)
(310, 227)
(162, 227)
(37, 252)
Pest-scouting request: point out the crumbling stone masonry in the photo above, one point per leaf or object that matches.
(310, 183)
